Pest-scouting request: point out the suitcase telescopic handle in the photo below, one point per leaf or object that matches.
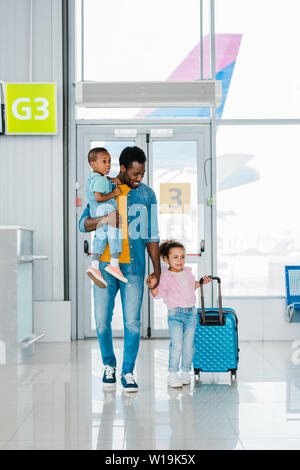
(214, 278)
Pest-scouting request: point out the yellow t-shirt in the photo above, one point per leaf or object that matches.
(122, 208)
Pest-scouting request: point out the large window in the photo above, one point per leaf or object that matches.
(265, 81)
(138, 40)
(256, 54)
(258, 221)
(256, 57)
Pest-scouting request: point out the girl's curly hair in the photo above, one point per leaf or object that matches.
(166, 246)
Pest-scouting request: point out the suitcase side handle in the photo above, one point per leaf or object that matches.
(218, 279)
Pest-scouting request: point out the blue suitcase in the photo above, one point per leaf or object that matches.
(216, 338)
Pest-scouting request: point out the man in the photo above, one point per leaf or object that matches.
(137, 206)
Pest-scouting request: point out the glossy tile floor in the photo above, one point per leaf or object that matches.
(55, 401)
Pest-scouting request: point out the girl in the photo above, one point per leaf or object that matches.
(177, 288)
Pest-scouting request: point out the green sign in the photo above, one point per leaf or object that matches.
(30, 108)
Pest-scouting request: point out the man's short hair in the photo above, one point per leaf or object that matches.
(93, 153)
(130, 155)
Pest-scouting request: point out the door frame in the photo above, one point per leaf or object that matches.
(95, 129)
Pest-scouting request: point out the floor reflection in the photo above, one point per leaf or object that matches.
(56, 400)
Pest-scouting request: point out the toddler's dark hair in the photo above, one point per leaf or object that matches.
(167, 245)
(93, 153)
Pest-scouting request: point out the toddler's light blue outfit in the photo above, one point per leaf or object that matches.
(97, 183)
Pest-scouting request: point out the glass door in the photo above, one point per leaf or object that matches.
(179, 173)
(88, 138)
(180, 178)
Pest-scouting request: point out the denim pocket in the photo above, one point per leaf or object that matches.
(191, 317)
(172, 312)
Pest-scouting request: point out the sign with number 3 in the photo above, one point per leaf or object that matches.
(30, 108)
(175, 198)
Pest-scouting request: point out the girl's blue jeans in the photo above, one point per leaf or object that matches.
(182, 324)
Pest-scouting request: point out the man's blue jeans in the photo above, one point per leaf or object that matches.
(104, 301)
(182, 326)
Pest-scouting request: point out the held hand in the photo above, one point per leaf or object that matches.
(113, 218)
(116, 191)
(153, 280)
(206, 279)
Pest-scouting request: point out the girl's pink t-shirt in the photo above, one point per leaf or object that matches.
(172, 291)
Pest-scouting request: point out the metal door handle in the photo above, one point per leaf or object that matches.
(202, 246)
(30, 258)
(86, 247)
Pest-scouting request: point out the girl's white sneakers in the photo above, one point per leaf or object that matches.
(173, 380)
(177, 381)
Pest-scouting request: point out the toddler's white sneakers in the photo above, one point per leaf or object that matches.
(173, 380)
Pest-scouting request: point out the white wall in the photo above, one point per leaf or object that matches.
(31, 167)
(262, 319)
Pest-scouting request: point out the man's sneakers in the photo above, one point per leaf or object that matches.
(128, 383)
(96, 276)
(109, 378)
(116, 272)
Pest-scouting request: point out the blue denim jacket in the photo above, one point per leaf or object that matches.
(142, 224)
